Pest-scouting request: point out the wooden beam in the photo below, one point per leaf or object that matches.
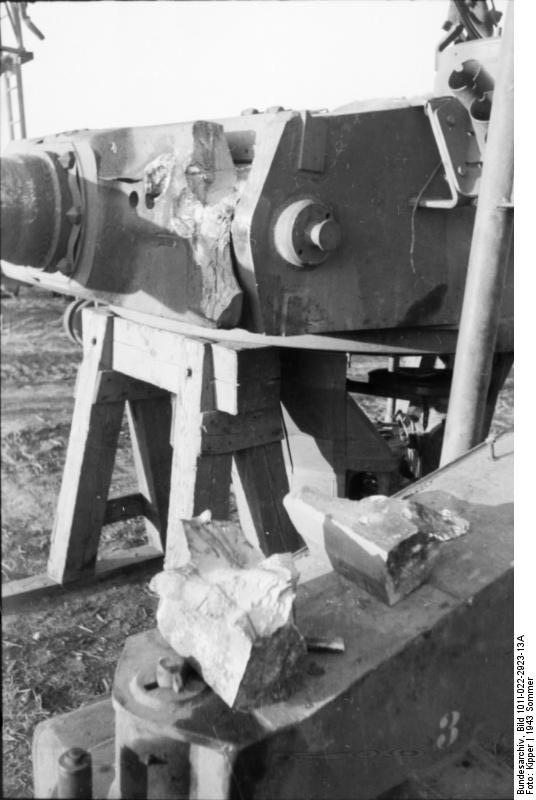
(113, 386)
(260, 483)
(90, 458)
(127, 507)
(225, 433)
(150, 429)
(199, 481)
(143, 559)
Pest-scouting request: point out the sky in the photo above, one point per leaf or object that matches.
(108, 64)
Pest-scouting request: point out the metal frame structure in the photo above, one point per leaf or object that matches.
(16, 15)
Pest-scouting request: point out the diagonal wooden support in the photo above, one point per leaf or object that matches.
(194, 409)
(249, 379)
(199, 481)
(89, 460)
(150, 429)
(83, 505)
(260, 482)
(207, 440)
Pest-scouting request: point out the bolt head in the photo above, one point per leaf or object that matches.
(74, 758)
(171, 673)
(326, 235)
(67, 160)
(274, 110)
(248, 111)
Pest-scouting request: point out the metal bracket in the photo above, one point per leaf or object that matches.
(312, 148)
(459, 151)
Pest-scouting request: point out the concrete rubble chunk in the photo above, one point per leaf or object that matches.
(384, 544)
(229, 611)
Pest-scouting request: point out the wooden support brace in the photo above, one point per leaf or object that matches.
(199, 481)
(150, 429)
(90, 458)
(260, 483)
(192, 408)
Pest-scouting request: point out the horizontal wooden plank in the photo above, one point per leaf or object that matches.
(247, 396)
(121, 562)
(401, 390)
(163, 345)
(133, 362)
(114, 386)
(236, 363)
(126, 507)
(225, 433)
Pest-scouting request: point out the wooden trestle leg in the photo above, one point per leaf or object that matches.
(89, 462)
(83, 505)
(198, 412)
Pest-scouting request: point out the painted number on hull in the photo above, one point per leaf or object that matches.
(449, 725)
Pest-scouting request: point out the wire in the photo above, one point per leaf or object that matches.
(414, 211)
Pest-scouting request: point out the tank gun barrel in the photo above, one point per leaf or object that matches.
(33, 210)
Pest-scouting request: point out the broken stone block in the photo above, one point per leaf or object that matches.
(384, 544)
(229, 611)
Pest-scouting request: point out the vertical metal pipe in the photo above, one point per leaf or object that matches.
(390, 405)
(8, 76)
(18, 72)
(487, 268)
(20, 100)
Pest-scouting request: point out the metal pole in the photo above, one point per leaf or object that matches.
(20, 99)
(487, 268)
(18, 71)
(8, 76)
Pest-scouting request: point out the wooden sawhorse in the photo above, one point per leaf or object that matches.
(198, 413)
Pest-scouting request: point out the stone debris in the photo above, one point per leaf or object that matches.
(229, 611)
(386, 545)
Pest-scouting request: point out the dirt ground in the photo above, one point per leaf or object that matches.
(62, 654)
